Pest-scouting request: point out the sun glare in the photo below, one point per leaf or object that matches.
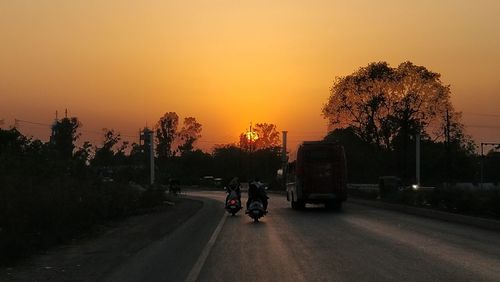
(252, 135)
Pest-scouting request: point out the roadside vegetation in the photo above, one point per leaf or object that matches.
(52, 192)
(377, 112)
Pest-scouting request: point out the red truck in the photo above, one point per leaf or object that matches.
(319, 175)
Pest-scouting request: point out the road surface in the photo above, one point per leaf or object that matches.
(357, 244)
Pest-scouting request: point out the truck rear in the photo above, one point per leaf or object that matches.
(318, 176)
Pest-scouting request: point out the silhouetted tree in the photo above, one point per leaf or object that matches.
(230, 160)
(382, 103)
(264, 135)
(64, 136)
(387, 106)
(105, 155)
(190, 132)
(166, 132)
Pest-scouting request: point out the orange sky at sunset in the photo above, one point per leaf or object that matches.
(119, 64)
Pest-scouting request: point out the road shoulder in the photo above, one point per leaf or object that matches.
(91, 259)
(479, 222)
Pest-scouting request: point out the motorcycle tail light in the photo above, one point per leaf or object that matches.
(232, 202)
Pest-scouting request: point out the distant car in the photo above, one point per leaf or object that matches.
(319, 175)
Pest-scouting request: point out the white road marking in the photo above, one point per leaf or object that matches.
(195, 271)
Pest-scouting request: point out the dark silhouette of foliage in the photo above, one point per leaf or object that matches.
(492, 167)
(190, 132)
(264, 135)
(64, 135)
(386, 107)
(105, 155)
(166, 133)
(46, 200)
(231, 160)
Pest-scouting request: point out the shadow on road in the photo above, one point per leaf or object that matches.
(258, 224)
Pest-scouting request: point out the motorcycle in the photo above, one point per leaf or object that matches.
(256, 210)
(233, 203)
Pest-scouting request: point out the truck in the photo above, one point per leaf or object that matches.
(318, 176)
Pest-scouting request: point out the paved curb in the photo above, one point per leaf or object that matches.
(484, 223)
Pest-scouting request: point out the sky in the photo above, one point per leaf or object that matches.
(122, 64)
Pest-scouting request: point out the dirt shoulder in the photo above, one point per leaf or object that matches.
(91, 258)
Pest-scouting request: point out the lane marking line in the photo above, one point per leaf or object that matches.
(195, 271)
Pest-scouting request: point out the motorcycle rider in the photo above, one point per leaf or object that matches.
(234, 185)
(256, 191)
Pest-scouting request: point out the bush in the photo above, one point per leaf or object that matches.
(37, 216)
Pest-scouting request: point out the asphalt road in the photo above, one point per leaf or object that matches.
(357, 244)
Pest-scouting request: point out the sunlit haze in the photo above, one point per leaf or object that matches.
(123, 64)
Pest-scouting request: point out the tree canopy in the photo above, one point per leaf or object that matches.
(166, 132)
(189, 133)
(384, 107)
(64, 134)
(264, 135)
(383, 104)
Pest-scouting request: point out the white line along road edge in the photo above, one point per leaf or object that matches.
(195, 271)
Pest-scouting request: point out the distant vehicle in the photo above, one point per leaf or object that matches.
(319, 175)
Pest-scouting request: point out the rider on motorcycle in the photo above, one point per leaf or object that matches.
(234, 185)
(256, 191)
